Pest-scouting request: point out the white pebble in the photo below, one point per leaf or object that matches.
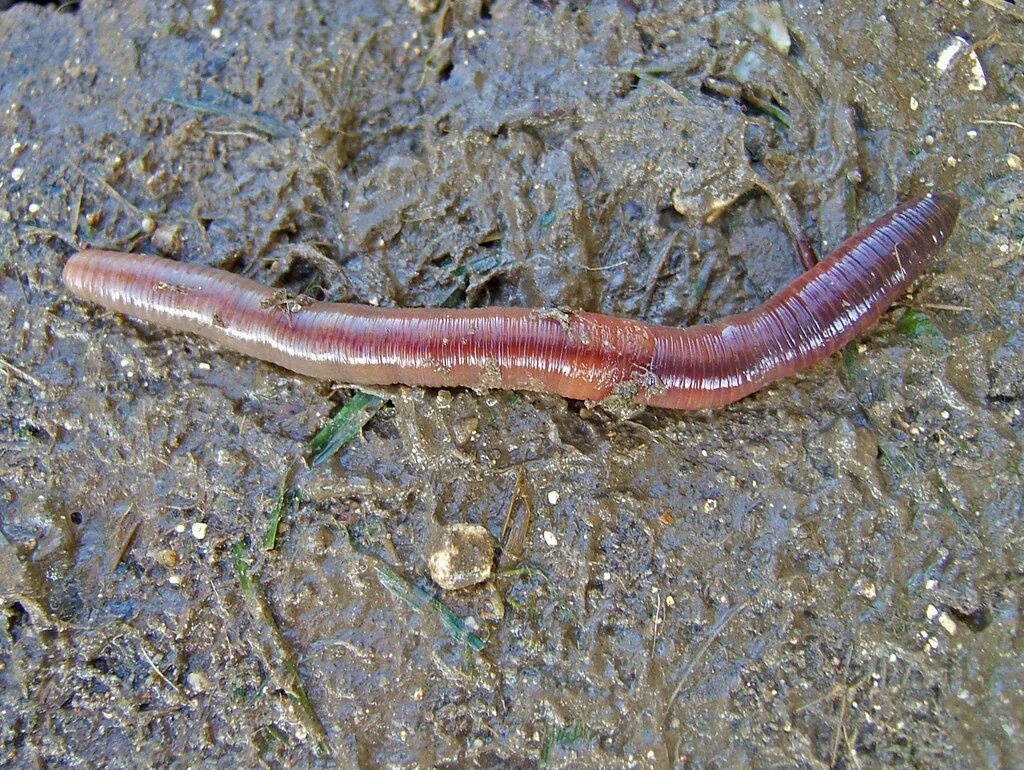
(944, 414)
(199, 530)
(215, 33)
(947, 623)
(17, 173)
(553, 497)
(913, 103)
(203, 366)
(931, 612)
(550, 538)
(174, 580)
(33, 208)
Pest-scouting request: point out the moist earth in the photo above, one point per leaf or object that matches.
(825, 574)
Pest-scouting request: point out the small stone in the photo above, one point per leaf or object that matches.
(216, 33)
(463, 430)
(5, 215)
(947, 623)
(550, 538)
(167, 239)
(463, 557)
(17, 173)
(913, 104)
(174, 580)
(1014, 162)
(33, 208)
(553, 497)
(931, 612)
(199, 530)
(197, 681)
(167, 557)
(148, 225)
(424, 6)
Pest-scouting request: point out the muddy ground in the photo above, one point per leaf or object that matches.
(826, 574)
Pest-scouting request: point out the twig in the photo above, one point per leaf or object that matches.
(159, 673)
(76, 210)
(1011, 123)
(10, 369)
(701, 652)
(114, 194)
(652, 285)
(127, 542)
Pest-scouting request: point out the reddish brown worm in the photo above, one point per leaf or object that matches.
(577, 355)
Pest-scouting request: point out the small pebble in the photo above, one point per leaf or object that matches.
(17, 173)
(216, 32)
(179, 528)
(33, 208)
(5, 215)
(550, 538)
(167, 557)
(947, 623)
(199, 530)
(1014, 162)
(944, 414)
(931, 612)
(553, 497)
(167, 239)
(462, 557)
(197, 681)
(174, 580)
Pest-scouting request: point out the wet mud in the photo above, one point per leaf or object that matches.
(825, 574)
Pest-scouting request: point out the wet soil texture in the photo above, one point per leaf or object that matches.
(825, 574)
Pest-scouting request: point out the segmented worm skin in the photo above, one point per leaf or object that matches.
(577, 355)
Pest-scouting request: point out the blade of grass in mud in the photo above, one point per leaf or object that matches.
(344, 426)
(284, 496)
(916, 325)
(276, 652)
(418, 599)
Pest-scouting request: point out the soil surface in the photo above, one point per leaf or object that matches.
(826, 574)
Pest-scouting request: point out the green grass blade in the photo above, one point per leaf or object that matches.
(344, 426)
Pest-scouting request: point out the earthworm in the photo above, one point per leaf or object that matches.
(578, 355)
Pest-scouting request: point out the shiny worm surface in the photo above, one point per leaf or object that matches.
(577, 355)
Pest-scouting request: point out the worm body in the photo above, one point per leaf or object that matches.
(577, 355)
